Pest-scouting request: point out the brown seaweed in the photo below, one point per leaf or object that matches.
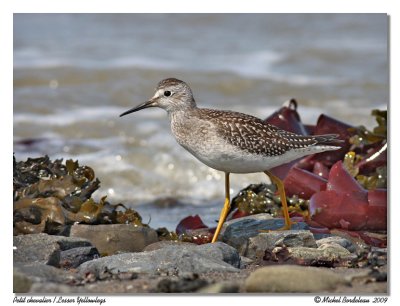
(50, 196)
(263, 198)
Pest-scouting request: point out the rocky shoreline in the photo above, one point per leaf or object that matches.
(245, 260)
(67, 242)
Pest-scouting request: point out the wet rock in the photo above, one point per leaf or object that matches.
(221, 287)
(290, 278)
(262, 216)
(44, 248)
(238, 233)
(113, 238)
(347, 244)
(189, 282)
(72, 258)
(170, 260)
(268, 241)
(197, 236)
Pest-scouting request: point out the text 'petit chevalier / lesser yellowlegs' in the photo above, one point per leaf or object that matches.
(231, 142)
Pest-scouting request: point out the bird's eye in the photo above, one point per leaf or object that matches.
(167, 93)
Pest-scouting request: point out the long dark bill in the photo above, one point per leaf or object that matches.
(138, 108)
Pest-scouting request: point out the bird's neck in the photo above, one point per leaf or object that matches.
(181, 112)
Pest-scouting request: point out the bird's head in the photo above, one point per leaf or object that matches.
(171, 94)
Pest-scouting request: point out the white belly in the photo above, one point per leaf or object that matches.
(234, 161)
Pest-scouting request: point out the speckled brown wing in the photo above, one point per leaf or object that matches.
(252, 135)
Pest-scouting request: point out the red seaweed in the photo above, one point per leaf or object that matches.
(377, 157)
(303, 183)
(287, 118)
(374, 239)
(310, 129)
(377, 209)
(283, 170)
(342, 182)
(321, 170)
(329, 125)
(334, 210)
(190, 223)
(346, 205)
(238, 214)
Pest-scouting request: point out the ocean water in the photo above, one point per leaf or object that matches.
(75, 73)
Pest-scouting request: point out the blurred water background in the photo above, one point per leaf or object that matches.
(75, 73)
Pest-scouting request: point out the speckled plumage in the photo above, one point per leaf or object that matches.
(254, 136)
(230, 141)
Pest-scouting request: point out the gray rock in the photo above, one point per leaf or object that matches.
(328, 255)
(263, 216)
(325, 252)
(162, 244)
(170, 260)
(290, 278)
(72, 258)
(115, 238)
(337, 240)
(38, 272)
(267, 241)
(244, 262)
(238, 233)
(220, 251)
(43, 248)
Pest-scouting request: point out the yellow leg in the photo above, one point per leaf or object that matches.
(225, 209)
(281, 190)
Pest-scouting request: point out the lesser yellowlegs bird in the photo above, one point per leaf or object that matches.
(231, 142)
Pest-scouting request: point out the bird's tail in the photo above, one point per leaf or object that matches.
(328, 139)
